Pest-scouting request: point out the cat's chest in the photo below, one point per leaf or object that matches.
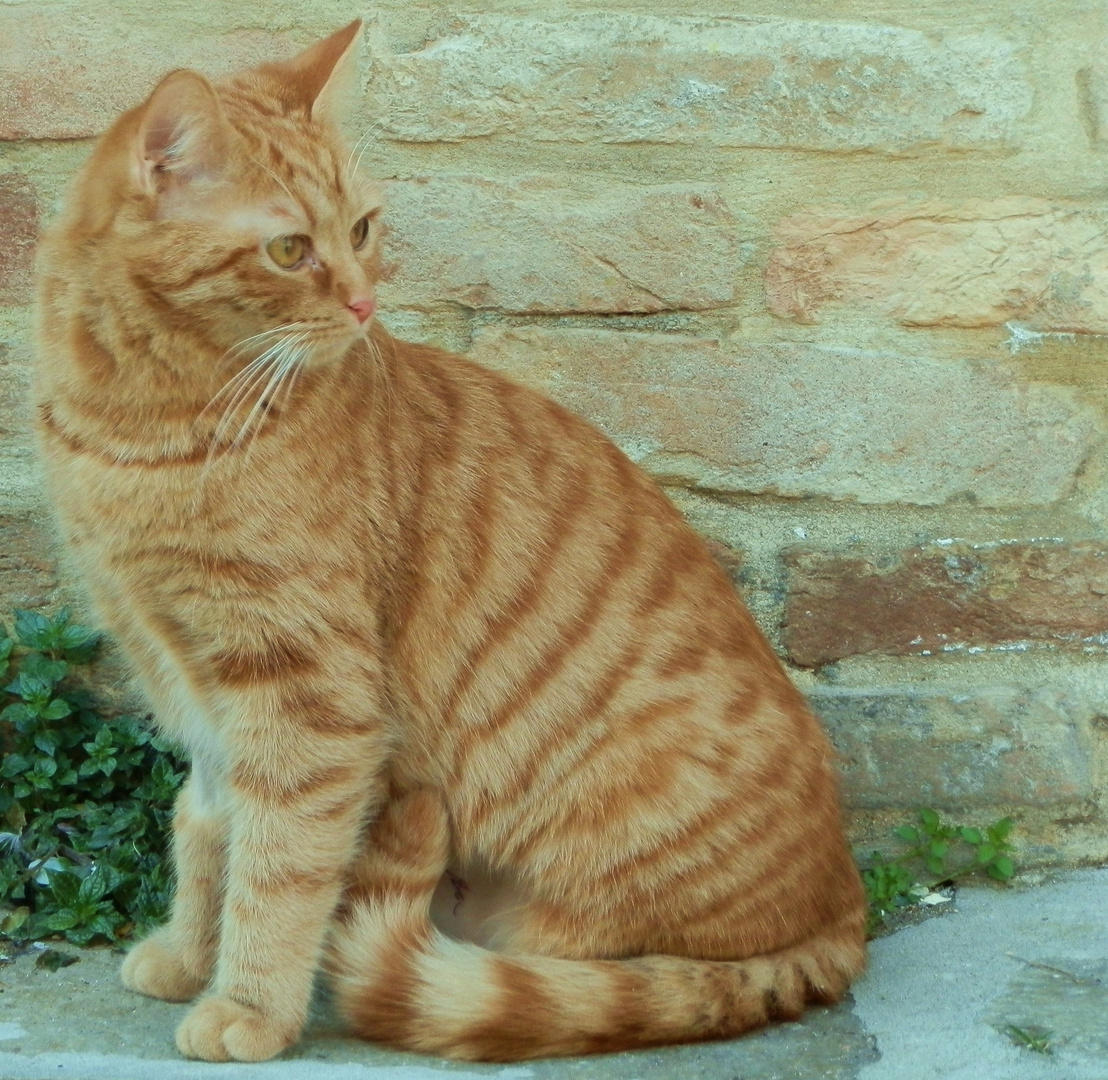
(115, 511)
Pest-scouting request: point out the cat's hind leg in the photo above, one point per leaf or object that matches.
(382, 925)
(404, 855)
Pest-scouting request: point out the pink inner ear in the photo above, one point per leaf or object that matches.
(183, 132)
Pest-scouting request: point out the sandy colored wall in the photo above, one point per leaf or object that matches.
(835, 272)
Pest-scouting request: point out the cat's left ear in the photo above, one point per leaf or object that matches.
(318, 77)
(182, 135)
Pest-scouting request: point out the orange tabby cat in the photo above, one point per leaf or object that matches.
(475, 721)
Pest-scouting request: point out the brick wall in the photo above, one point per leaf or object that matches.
(835, 271)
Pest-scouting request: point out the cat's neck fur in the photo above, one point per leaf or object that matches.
(132, 388)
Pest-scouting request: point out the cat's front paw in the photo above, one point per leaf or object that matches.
(161, 968)
(219, 1029)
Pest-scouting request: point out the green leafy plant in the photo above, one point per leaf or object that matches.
(85, 798)
(944, 853)
(889, 885)
(937, 845)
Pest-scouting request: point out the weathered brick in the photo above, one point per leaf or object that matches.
(28, 572)
(69, 72)
(723, 81)
(20, 485)
(1092, 92)
(946, 598)
(973, 263)
(903, 747)
(18, 232)
(535, 245)
(730, 559)
(797, 420)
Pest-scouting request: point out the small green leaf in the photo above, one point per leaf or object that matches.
(14, 765)
(930, 820)
(909, 833)
(65, 885)
(31, 628)
(61, 920)
(986, 853)
(18, 713)
(35, 665)
(47, 741)
(999, 830)
(971, 836)
(56, 709)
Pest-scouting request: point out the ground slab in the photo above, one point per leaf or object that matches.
(938, 1003)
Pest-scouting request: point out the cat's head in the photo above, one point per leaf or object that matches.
(235, 207)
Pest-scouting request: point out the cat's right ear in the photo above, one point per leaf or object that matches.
(183, 135)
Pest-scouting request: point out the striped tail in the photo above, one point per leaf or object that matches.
(401, 982)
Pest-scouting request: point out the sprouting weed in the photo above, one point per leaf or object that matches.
(938, 853)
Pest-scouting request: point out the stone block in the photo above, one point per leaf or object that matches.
(18, 233)
(973, 263)
(536, 245)
(28, 571)
(71, 69)
(730, 560)
(953, 597)
(730, 81)
(1092, 93)
(20, 485)
(1006, 747)
(799, 420)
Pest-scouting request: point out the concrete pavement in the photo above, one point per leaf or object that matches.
(937, 1004)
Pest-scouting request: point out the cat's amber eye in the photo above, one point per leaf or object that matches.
(360, 232)
(287, 251)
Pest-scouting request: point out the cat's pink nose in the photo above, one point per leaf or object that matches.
(362, 308)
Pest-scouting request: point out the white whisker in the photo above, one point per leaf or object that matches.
(242, 385)
(262, 405)
(266, 168)
(244, 374)
(363, 144)
(269, 396)
(254, 338)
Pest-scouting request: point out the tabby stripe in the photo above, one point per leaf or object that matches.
(618, 727)
(296, 882)
(599, 699)
(526, 599)
(232, 259)
(276, 659)
(75, 445)
(428, 453)
(386, 1012)
(267, 787)
(679, 844)
(553, 659)
(783, 866)
(526, 1015)
(572, 634)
